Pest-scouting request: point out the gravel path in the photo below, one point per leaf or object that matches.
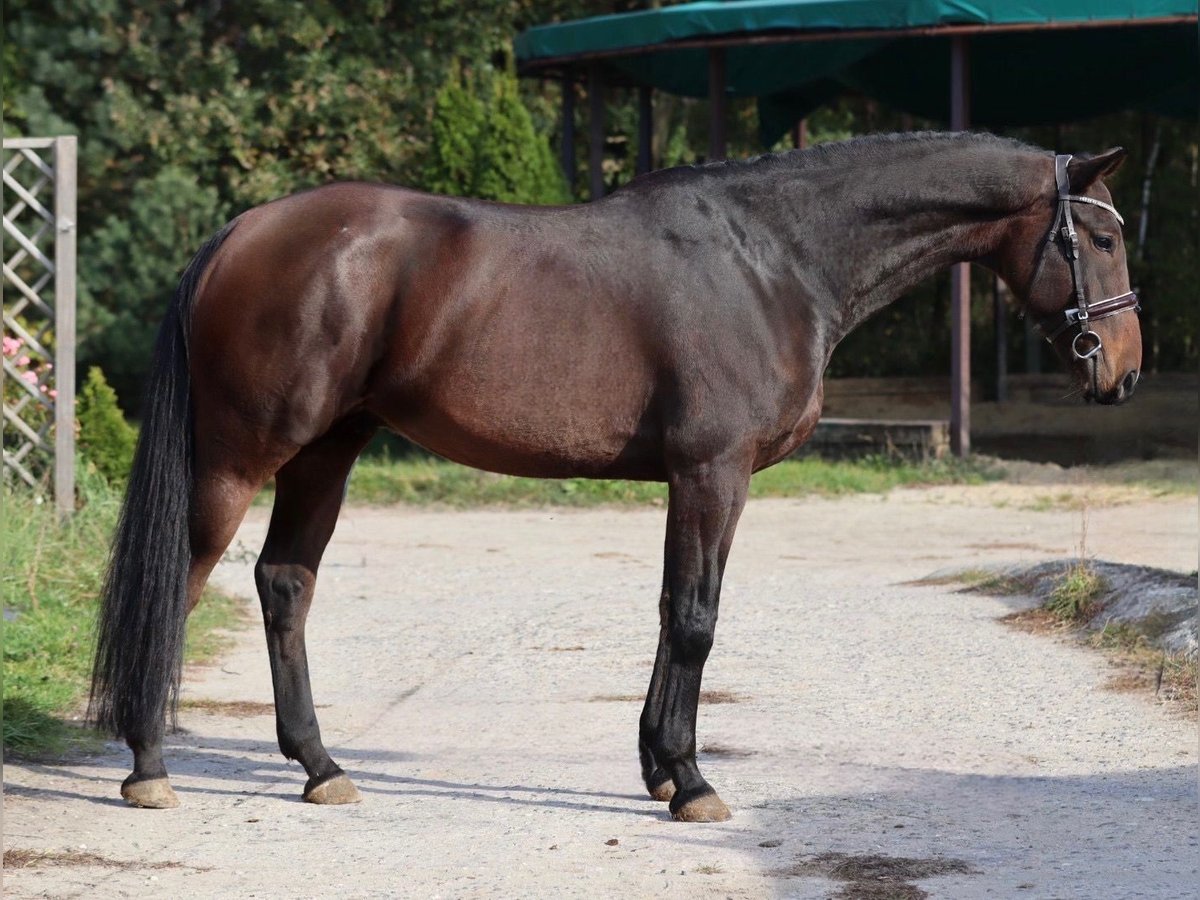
(473, 669)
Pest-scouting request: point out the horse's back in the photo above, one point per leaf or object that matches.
(471, 328)
(537, 341)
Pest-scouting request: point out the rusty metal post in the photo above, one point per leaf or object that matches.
(960, 274)
(596, 131)
(645, 156)
(716, 104)
(567, 150)
(1000, 318)
(800, 134)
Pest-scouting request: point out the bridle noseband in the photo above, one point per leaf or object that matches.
(1086, 344)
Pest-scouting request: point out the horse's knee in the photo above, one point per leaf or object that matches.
(692, 637)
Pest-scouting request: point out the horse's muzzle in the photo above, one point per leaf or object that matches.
(1119, 394)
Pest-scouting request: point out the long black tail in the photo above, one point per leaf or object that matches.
(140, 631)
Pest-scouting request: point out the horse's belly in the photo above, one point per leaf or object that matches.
(573, 430)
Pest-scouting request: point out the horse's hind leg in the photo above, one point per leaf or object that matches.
(220, 499)
(308, 497)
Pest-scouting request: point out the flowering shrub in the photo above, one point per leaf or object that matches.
(27, 379)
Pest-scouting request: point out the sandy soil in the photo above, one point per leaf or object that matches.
(471, 667)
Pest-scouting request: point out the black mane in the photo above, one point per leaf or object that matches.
(882, 147)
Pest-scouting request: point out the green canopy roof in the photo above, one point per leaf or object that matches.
(1031, 61)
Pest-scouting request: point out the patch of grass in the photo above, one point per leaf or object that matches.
(726, 751)
(50, 578)
(1163, 477)
(977, 580)
(237, 709)
(875, 876)
(17, 858)
(210, 626)
(709, 870)
(1140, 666)
(428, 480)
(1062, 501)
(1074, 596)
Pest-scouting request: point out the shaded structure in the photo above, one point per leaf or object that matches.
(991, 64)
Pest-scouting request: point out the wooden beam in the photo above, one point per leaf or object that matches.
(65, 154)
(567, 150)
(645, 157)
(716, 104)
(960, 274)
(596, 131)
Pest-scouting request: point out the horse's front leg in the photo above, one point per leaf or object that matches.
(308, 497)
(658, 782)
(703, 509)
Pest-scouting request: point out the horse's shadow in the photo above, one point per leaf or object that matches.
(241, 760)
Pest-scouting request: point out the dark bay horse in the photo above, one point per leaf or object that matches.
(675, 331)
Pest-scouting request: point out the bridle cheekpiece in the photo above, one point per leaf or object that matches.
(1087, 343)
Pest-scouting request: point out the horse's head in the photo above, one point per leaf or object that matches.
(1065, 260)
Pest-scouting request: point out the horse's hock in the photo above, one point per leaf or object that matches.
(38, 376)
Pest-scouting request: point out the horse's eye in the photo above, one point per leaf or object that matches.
(1103, 242)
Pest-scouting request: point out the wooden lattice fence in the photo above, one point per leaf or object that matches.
(38, 379)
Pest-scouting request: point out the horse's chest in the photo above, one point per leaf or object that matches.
(794, 429)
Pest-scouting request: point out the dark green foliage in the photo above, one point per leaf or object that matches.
(129, 266)
(189, 113)
(106, 440)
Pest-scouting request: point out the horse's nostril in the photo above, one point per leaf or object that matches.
(1130, 382)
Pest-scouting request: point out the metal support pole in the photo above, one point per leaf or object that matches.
(596, 131)
(1000, 318)
(65, 154)
(960, 276)
(645, 160)
(716, 104)
(567, 150)
(800, 134)
(1033, 348)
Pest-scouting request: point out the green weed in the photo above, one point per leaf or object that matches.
(50, 577)
(1074, 598)
(425, 480)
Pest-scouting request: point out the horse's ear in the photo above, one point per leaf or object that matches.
(1083, 172)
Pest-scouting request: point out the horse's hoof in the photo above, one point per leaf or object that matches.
(337, 790)
(154, 793)
(663, 790)
(705, 808)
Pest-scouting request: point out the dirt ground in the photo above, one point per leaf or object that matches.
(883, 739)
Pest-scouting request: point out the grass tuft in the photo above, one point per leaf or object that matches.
(1074, 598)
(428, 480)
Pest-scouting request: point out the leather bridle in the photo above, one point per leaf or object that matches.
(1086, 344)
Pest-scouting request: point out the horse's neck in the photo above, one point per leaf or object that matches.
(885, 227)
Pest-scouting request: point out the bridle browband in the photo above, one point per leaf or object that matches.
(1086, 344)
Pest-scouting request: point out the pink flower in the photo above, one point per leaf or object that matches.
(24, 361)
(29, 377)
(53, 394)
(11, 345)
